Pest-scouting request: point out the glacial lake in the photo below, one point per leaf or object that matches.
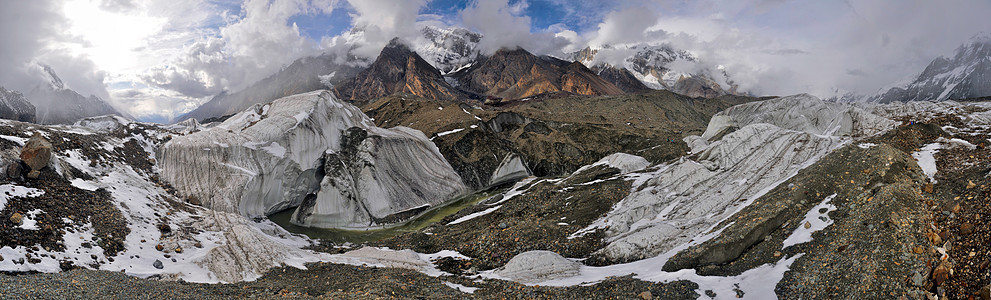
(360, 236)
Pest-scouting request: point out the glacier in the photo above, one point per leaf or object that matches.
(745, 151)
(279, 155)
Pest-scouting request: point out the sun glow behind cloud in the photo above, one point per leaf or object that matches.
(111, 39)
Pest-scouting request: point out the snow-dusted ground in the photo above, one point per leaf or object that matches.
(674, 206)
(816, 219)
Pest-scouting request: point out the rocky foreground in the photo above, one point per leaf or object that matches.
(790, 198)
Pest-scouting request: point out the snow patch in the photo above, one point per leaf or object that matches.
(475, 215)
(19, 140)
(817, 220)
(29, 222)
(461, 288)
(926, 159)
(83, 184)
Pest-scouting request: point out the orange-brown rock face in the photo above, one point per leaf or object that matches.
(398, 69)
(517, 74)
(581, 80)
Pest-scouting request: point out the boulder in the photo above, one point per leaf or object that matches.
(537, 266)
(37, 152)
(14, 169)
(17, 218)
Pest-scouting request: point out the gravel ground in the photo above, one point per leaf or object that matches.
(960, 215)
(532, 221)
(321, 280)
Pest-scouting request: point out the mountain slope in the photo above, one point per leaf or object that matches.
(303, 75)
(621, 77)
(398, 69)
(56, 104)
(13, 106)
(965, 75)
(516, 74)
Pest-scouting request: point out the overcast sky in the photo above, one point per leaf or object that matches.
(156, 59)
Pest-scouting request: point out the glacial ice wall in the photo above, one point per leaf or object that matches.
(745, 151)
(802, 112)
(510, 169)
(270, 157)
(380, 176)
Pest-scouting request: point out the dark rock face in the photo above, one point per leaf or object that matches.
(621, 78)
(516, 74)
(303, 75)
(698, 87)
(13, 106)
(398, 69)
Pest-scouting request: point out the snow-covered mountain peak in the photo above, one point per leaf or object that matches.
(447, 49)
(54, 80)
(964, 75)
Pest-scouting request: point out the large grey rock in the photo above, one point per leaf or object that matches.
(37, 152)
(537, 266)
(273, 156)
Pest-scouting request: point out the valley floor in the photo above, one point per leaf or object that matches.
(895, 213)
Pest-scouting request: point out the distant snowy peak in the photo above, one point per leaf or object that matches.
(448, 49)
(967, 74)
(56, 104)
(660, 67)
(653, 65)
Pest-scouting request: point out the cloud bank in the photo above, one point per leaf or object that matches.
(183, 52)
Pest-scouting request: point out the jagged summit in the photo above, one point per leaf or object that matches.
(54, 79)
(514, 73)
(56, 104)
(448, 49)
(655, 67)
(398, 69)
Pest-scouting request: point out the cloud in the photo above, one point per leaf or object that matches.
(381, 20)
(626, 26)
(31, 32)
(503, 25)
(253, 44)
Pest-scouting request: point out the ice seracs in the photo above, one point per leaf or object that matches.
(763, 143)
(510, 169)
(280, 155)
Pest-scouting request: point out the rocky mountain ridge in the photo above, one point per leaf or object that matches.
(13, 106)
(964, 75)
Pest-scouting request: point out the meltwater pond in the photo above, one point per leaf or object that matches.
(360, 236)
